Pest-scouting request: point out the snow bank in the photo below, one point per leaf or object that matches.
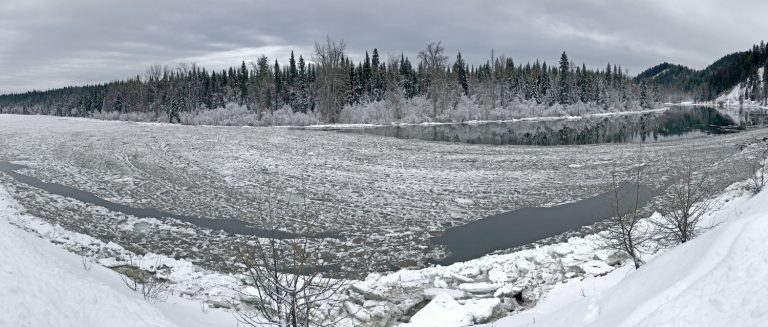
(482, 289)
(43, 285)
(718, 279)
(443, 310)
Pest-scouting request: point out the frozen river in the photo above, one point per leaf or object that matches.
(386, 196)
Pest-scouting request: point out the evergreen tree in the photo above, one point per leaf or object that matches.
(243, 83)
(365, 76)
(461, 73)
(644, 98)
(375, 59)
(542, 95)
(292, 71)
(377, 76)
(353, 88)
(303, 92)
(409, 77)
(565, 87)
(584, 84)
(279, 89)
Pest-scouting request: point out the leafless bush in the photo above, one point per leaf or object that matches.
(625, 231)
(146, 283)
(289, 286)
(87, 263)
(757, 167)
(153, 289)
(205, 308)
(237, 115)
(684, 204)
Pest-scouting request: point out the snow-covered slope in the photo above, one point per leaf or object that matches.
(718, 279)
(43, 285)
(737, 94)
(731, 98)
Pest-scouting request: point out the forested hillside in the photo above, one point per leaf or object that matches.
(740, 67)
(330, 83)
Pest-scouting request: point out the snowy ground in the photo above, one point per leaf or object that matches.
(42, 285)
(384, 195)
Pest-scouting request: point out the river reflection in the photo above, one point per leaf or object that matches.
(672, 124)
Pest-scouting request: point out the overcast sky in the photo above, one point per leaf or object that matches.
(53, 43)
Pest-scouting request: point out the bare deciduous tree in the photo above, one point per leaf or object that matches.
(625, 231)
(684, 204)
(439, 87)
(329, 57)
(395, 94)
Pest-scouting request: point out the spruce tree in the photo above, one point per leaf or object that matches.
(644, 99)
(277, 99)
(292, 71)
(544, 85)
(583, 84)
(303, 96)
(461, 73)
(656, 94)
(243, 83)
(365, 76)
(377, 76)
(565, 88)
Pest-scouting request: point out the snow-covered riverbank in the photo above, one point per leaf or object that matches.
(42, 285)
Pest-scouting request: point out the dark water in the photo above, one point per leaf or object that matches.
(233, 226)
(528, 225)
(675, 123)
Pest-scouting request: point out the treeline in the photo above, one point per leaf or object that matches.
(331, 82)
(679, 82)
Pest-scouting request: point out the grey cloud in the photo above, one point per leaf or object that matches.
(49, 43)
